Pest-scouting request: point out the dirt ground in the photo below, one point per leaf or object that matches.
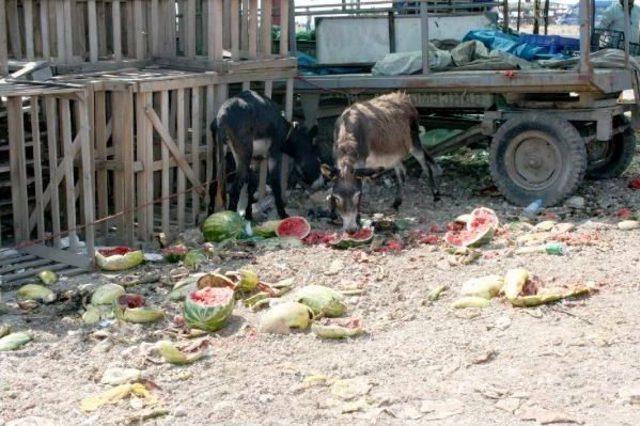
(421, 362)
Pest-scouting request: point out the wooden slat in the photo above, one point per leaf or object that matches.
(68, 33)
(181, 129)
(8, 262)
(155, 29)
(215, 29)
(101, 11)
(289, 115)
(246, 85)
(267, 10)
(235, 29)
(65, 122)
(253, 29)
(44, 28)
(100, 119)
(87, 176)
(244, 26)
(23, 265)
(52, 144)
(37, 164)
(189, 24)
(128, 190)
(139, 28)
(27, 6)
(93, 31)
(13, 25)
(210, 116)
(196, 135)
(166, 202)
(129, 33)
(173, 148)
(170, 25)
(145, 178)
(60, 30)
(59, 256)
(4, 54)
(18, 169)
(120, 182)
(116, 20)
(284, 27)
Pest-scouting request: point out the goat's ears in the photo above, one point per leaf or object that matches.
(328, 171)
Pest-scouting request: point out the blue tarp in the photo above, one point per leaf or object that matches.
(526, 46)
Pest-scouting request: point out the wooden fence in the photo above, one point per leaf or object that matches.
(85, 35)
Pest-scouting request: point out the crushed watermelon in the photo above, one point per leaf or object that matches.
(296, 226)
(121, 250)
(131, 301)
(319, 237)
(211, 296)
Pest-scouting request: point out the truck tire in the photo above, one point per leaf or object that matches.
(619, 153)
(537, 156)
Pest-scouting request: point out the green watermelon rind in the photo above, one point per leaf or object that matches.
(223, 226)
(483, 235)
(347, 242)
(208, 318)
(267, 229)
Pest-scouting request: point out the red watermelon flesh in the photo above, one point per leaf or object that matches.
(114, 251)
(296, 226)
(211, 296)
(478, 231)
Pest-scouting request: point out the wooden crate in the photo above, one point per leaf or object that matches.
(50, 162)
(152, 147)
(86, 35)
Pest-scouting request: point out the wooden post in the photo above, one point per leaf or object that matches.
(585, 38)
(4, 54)
(166, 202)
(505, 15)
(117, 30)
(138, 31)
(215, 30)
(128, 190)
(87, 176)
(536, 16)
(60, 32)
(289, 115)
(519, 15)
(291, 19)
(284, 28)
(253, 29)
(18, 169)
(93, 31)
(155, 28)
(13, 25)
(235, 29)
(181, 185)
(190, 28)
(196, 137)
(69, 177)
(68, 32)
(267, 10)
(546, 17)
(424, 34)
(52, 144)
(627, 33)
(27, 6)
(37, 164)
(102, 182)
(44, 28)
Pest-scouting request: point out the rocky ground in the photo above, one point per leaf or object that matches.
(421, 362)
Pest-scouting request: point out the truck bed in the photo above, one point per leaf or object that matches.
(602, 81)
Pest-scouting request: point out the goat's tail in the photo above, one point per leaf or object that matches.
(218, 198)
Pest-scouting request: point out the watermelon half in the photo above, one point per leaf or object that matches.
(296, 227)
(358, 238)
(209, 308)
(478, 229)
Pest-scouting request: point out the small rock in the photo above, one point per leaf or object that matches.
(179, 412)
(485, 357)
(547, 417)
(351, 388)
(441, 409)
(503, 323)
(509, 405)
(353, 406)
(576, 202)
(119, 376)
(191, 237)
(335, 267)
(630, 395)
(628, 225)
(564, 227)
(545, 226)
